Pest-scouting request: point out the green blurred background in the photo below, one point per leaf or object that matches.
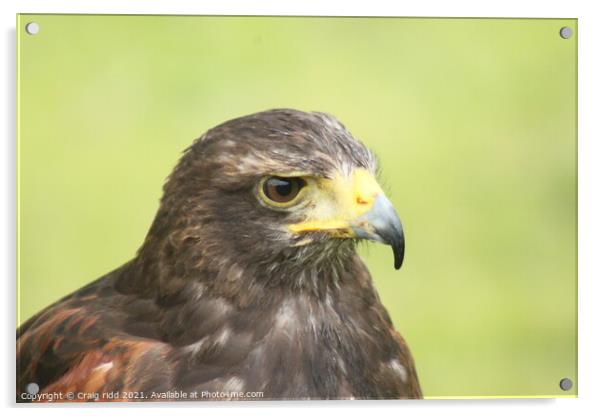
(474, 121)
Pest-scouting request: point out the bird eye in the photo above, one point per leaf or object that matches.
(282, 190)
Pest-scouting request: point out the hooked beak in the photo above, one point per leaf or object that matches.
(382, 224)
(355, 207)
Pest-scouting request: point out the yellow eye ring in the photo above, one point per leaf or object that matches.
(280, 191)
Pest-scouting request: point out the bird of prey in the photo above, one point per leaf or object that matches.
(247, 285)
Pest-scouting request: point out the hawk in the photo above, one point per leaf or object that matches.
(247, 285)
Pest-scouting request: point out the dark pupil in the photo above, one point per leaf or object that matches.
(282, 189)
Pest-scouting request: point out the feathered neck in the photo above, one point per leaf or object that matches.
(171, 274)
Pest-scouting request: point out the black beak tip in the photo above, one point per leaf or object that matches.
(399, 248)
(398, 255)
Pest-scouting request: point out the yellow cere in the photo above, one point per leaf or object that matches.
(337, 201)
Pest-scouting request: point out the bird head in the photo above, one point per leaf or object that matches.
(281, 186)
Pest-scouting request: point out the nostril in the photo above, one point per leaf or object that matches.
(361, 201)
(365, 199)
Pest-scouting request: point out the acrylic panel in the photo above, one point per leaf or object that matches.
(238, 277)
